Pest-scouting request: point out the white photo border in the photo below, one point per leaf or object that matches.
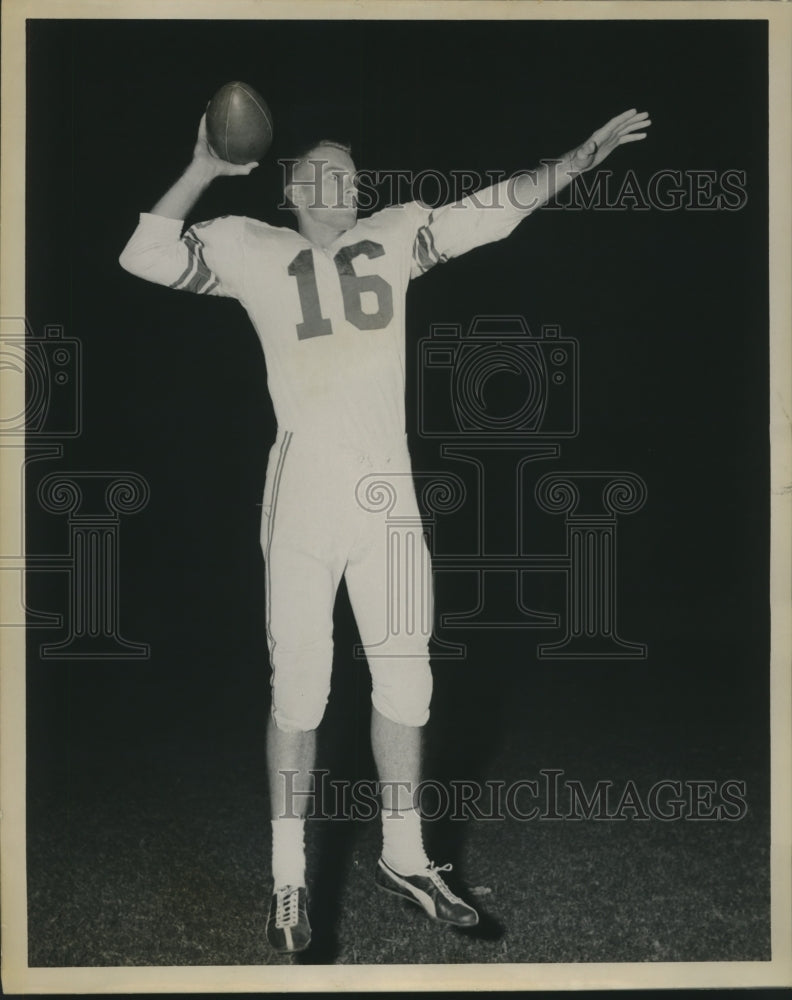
(17, 976)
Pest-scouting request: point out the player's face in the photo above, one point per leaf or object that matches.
(325, 188)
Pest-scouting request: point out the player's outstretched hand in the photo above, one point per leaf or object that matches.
(203, 153)
(627, 127)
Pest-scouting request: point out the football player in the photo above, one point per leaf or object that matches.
(328, 303)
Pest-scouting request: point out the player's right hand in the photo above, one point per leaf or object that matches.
(205, 155)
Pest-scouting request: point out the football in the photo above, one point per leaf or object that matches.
(238, 123)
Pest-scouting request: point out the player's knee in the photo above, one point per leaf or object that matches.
(298, 711)
(401, 690)
(300, 687)
(296, 722)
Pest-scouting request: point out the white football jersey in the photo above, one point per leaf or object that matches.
(331, 320)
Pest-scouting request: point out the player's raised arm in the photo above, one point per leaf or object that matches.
(206, 263)
(492, 213)
(536, 187)
(179, 200)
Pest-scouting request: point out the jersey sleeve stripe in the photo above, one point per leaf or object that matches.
(179, 282)
(197, 276)
(424, 250)
(440, 257)
(421, 251)
(206, 275)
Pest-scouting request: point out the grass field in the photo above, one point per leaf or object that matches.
(151, 847)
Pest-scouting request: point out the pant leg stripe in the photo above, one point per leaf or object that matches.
(271, 527)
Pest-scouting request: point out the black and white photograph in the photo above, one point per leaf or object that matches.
(393, 458)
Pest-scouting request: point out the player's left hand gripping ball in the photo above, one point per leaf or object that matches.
(238, 124)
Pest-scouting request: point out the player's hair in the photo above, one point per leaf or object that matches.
(333, 143)
(303, 155)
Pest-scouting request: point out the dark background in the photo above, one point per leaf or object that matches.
(670, 310)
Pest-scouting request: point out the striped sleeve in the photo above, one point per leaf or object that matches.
(207, 259)
(425, 253)
(453, 229)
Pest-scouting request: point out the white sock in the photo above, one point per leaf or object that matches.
(288, 851)
(402, 842)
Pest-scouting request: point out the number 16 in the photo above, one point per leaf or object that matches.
(352, 288)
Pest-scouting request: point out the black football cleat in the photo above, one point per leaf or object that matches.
(429, 891)
(287, 924)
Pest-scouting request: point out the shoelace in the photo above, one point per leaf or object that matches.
(288, 907)
(434, 874)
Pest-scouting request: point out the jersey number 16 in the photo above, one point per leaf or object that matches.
(352, 288)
